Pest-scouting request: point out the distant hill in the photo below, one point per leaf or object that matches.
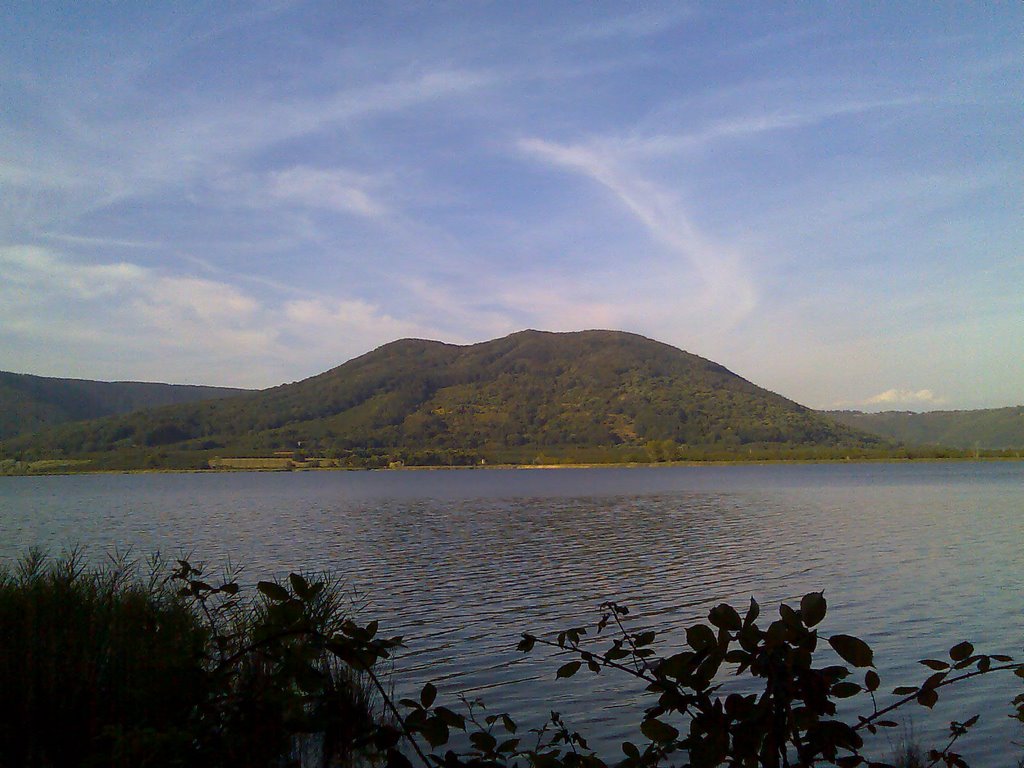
(30, 403)
(994, 428)
(596, 395)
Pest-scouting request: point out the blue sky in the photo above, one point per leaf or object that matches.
(824, 197)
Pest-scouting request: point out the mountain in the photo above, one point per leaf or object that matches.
(991, 428)
(30, 403)
(593, 395)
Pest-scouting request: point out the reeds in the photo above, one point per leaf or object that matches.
(117, 666)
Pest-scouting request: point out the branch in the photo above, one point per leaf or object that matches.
(949, 681)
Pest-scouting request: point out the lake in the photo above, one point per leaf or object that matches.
(912, 557)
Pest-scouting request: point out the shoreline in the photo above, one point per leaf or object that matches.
(516, 467)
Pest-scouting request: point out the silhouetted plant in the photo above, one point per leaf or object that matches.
(177, 671)
(107, 668)
(790, 720)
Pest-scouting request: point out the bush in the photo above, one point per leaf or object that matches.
(106, 668)
(110, 667)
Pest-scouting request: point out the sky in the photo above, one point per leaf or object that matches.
(826, 198)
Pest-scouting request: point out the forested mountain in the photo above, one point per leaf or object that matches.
(598, 395)
(994, 428)
(30, 403)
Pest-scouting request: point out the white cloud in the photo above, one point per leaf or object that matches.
(125, 321)
(356, 318)
(334, 189)
(906, 397)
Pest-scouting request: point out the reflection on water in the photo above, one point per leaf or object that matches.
(911, 557)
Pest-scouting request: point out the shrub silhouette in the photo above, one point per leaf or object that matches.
(106, 667)
(103, 667)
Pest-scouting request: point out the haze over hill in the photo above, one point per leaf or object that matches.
(30, 403)
(601, 394)
(994, 428)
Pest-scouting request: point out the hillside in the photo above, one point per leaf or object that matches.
(596, 395)
(992, 428)
(30, 403)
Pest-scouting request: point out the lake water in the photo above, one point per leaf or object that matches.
(912, 557)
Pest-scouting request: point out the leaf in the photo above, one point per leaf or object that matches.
(871, 680)
(700, 636)
(813, 608)
(508, 723)
(904, 690)
(451, 719)
(961, 651)
(509, 745)
(934, 680)
(273, 591)
(789, 616)
(724, 616)
(526, 644)
(435, 731)
(676, 665)
(231, 588)
(655, 730)
(934, 664)
(853, 650)
(427, 695)
(483, 741)
(845, 690)
(752, 613)
(568, 670)
(927, 697)
(630, 750)
(300, 586)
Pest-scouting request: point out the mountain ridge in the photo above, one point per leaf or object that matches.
(29, 402)
(983, 428)
(598, 393)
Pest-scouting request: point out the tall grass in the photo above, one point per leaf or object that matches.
(116, 666)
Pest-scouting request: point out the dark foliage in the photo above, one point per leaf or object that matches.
(100, 669)
(106, 668)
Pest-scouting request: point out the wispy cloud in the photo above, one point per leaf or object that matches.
(95, 161)
(749, 125)
(99, 242)
(726, 291)
(634, 25)
(335, 189)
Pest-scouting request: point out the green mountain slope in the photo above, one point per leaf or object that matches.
(994, 428)
(30, 403)
(503, 400)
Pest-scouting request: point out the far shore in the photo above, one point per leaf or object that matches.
(64, 470)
